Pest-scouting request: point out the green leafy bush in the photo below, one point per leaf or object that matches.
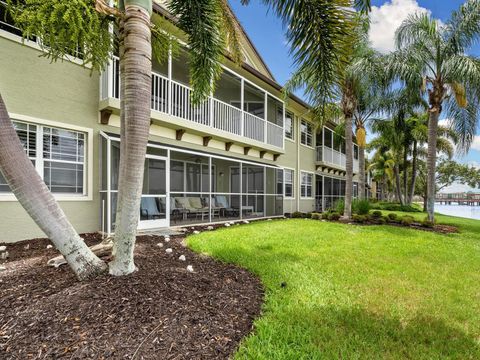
(406, 220)
(381, 220)
(297, 215)
(359, 218)
(325, 215)
(377, 214)
(392, 217)
(340, 206)
(361, 207)
(333, 216)
(389, 206)
(316, 216)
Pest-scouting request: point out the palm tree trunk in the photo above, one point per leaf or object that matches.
(434, 114)
(137, 87)
(40, 204)
(349, 167)
(361, 172)
(398, 188)
(414, 172)
(405, 175)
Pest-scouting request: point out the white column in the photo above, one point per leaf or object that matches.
(265, 138)
(169, 110)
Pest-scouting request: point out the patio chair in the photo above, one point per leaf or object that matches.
(149, 208)
(222, 201)
(197, 206)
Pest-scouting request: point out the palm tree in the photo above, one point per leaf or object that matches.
(382, 166)
(432, 57)
(87, 24)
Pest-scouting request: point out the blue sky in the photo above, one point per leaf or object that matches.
(267, 34)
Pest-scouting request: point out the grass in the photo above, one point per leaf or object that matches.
(357, 292)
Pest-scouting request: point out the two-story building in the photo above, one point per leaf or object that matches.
(244, 153)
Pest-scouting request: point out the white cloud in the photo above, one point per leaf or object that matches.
(476, 143)
(387, 18)
(444, 122)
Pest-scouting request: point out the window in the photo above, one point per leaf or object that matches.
(289, 183)
(328, 141)
(57, 154)
(279, 181)
(289, 126)
(306, 186)
(355, 152)
(306, 133)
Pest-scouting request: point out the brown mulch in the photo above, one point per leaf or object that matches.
(159, 312)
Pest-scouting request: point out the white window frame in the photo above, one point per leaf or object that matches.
(88, 157)
(309, 125)
(292, 182)
(292, 139)
(302, 196)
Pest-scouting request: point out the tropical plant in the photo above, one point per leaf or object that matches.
(432, 56)
(63, 27)
(382, 167)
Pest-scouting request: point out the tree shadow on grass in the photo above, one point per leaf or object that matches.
(344, 333)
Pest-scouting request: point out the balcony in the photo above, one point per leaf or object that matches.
(334, 158)
(238, 111)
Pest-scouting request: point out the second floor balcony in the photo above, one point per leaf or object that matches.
(237, 111)
(331, 151)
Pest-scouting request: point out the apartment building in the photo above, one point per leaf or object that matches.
(244, 153)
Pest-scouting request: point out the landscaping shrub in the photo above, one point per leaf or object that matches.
(377, 214)
(406, 220)
(361, 207)
(381, 220)
(359, 218)
(297, 215)
(340, 206)
(316, 216)
(333, 216)
(390, 206)
(392, 216)
(307, 215)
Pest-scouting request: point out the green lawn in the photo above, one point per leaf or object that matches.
(358, 292)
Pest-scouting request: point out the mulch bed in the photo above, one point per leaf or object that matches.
(161, 311)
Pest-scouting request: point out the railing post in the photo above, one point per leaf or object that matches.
(210, 112)
(169, 109)
(110, 73)
(242, 110)
(265, 137)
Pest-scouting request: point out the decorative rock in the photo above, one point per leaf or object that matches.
(246, 222)
(4, 255)
(26, 247)
(269, 219)
(169, 251)
(210, 228)
(227, 224)
(167, 239)
(196, 232)
(190, 268)
(3, 248)
(3, 268)
(182, 258)
(49, 246)
(160, 245)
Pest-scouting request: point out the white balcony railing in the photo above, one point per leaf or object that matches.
(173, 98)
(333, 157)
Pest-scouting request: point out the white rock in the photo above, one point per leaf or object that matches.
(210, 228)
(49, 246)
(3, 248)
(182, 258)
(246, 222)
(26, 247)
(269, 219)
(167, 239)
(190, 268)
(196, 232)
(169, 251)
(160, 245)
(3, 268)
(227, 224)
(4, 255)
(324, 220)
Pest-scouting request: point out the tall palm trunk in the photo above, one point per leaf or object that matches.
(361, 172)
(349, 165)
(405, 174)
(434, 114)
(40, 204)
(137, 86)
(414, 172)
(398, 187)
